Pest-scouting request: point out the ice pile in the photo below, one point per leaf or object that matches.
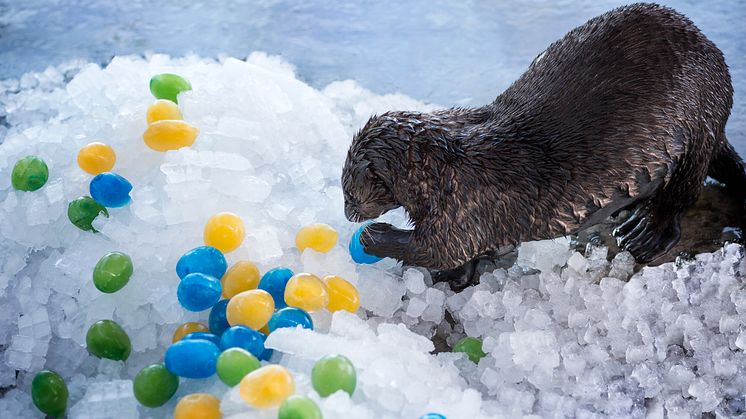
(567, 334)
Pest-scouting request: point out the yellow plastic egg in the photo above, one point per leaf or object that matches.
(306, 291)
(251, 308)
(224, 231)
(242, 276)
(342, 294)
(187, 328)
(267, 386)
(198, 406)
(163, 109)
(169, 135)
(96, 158)
(319, 237)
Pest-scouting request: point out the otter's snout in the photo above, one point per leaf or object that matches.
(351, 213)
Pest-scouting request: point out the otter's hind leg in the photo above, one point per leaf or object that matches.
(728, 168)
(651, 231)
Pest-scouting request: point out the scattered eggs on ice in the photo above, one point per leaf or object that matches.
(271, 147)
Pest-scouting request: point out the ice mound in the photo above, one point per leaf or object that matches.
(567, 334)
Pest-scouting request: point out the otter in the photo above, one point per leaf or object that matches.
(626, 112)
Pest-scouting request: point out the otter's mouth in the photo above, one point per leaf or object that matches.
(357, 215)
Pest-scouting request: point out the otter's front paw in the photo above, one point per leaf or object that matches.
(384, 240)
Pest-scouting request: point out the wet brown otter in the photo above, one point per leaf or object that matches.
(627, 111)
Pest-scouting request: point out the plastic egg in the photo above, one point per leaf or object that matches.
(242, 276)
(333, 373)
(204, 336)
(224, 231)
(267, 386)
(29, 174)
(306, 291)
(163, 110)
(234, 364)
(96, 158)
(319, 237)
(244, 338)
(112, 272)
(168, 86)
(187, 328)
(217, 320)
(290, 317)
(251, 308)
(205, 260)
(299, 407)
(154, 385)
(82, 211)
(357, 252)
(169, 135)
(192, 358)
(197, 292)
(107, 339)
(110, 190)
(198, 406)
(472, 347)
(274, 282)
(49, 393)
(342, 294)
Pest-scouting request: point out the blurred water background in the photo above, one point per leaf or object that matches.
(446, 52)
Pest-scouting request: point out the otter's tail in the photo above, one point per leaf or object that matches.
(728, 168)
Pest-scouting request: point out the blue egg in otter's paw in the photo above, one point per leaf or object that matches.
(357, 251)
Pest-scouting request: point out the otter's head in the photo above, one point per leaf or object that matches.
(367, 174)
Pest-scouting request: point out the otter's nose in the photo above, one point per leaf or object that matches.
(350, 212)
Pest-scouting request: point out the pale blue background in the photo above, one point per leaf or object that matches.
(447, 52)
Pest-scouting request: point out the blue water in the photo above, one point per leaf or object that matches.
(447, 52)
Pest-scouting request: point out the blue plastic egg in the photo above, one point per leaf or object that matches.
(432, 416)
(195, 358)
(356, 249)
(290, 317)
(204, 336)
(217, 321)
(245, 338)
(274, 282)
(110, 190)
(205, 260)
(198, 292)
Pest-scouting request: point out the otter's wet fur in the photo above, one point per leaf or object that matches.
(627, 111)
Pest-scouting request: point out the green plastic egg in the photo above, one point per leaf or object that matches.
(299, 407)
(154, 385)
(107, 339)
(49, 393)
(29, 174)
(112, 272)
(82, 211)
(168, 86)
(234, 364)
(332, 373)
(472, 347)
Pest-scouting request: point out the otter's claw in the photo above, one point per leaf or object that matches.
(384, 240)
